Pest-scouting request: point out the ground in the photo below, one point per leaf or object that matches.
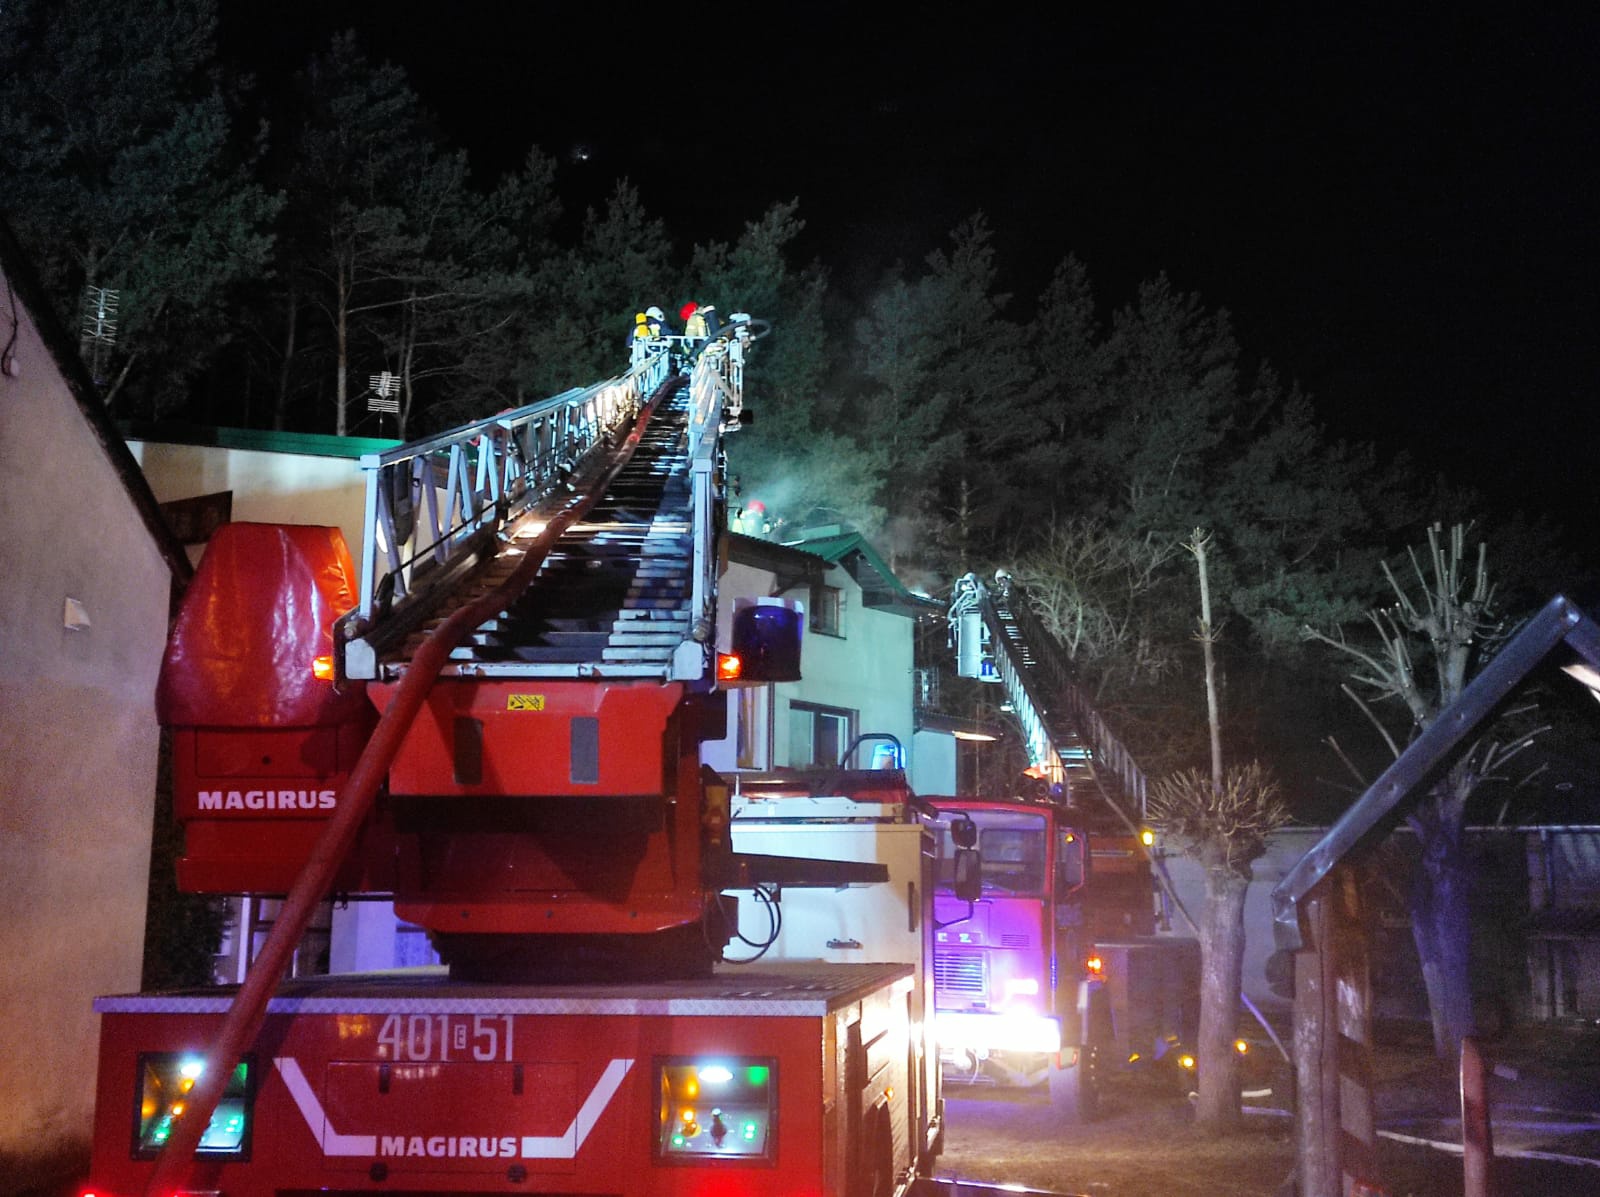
(1146, 1145)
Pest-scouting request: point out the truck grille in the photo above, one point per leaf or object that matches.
(961, 973)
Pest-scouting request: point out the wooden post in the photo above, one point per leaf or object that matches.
(1335, 1137)
(1477, 1136)
(1358, 1152)
(1316, 1081)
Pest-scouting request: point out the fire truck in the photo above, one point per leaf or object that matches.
(1054, 972)
(494, 719)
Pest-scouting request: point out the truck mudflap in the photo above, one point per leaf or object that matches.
(951, 1186)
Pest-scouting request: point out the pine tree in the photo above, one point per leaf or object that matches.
(117, 150)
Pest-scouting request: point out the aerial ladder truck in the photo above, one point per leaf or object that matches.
(495, 719)
(1056, 972)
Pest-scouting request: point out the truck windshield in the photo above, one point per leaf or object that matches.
(1012, 845)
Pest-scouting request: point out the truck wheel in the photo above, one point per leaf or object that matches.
(1075, 1091)
(878, 1145)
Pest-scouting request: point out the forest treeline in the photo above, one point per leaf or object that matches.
(252, 253)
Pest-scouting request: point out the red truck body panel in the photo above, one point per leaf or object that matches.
(412, 1083)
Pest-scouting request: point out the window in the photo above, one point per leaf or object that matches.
(827, 610)
(1012, 848)
(818, 735)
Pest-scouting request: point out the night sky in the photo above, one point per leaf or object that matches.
(1400, 213)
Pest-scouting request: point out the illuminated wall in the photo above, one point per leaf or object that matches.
(84, 593)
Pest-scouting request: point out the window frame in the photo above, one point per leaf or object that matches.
(826, 617)
(846, 716)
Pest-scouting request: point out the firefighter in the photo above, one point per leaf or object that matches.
(752, 520)
(694, 324)
(657, 320)
(639, 338)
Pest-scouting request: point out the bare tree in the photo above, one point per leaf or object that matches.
(1090, 585)
(1224, 818)
(1427, 646)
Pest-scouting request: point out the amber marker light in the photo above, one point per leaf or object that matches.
(322, 669)
(729, 667)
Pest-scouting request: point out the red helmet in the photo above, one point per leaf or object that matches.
(687, 310)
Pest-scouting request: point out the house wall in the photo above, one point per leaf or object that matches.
(1535, 911)
(78, 739)
(268, 486)
(1563, 951)
(867, 670)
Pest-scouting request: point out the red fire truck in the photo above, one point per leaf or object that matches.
(495, 720)
(1054, 972)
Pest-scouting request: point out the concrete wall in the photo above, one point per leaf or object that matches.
(1284, 850)
(78, 746)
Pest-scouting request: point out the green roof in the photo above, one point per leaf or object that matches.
(879, 586)
(311, 444)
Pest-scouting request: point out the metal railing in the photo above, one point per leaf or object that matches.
(1035, 674)
(715, 397)
(434, 507)
(1110, 756)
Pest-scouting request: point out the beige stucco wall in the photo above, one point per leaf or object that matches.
(867, 670)
(78, 746)
(268, 487)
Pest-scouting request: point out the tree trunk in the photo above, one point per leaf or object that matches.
(342, 382)
(408, 353)
(1221, 966)
(280, 406)
(1442, 930)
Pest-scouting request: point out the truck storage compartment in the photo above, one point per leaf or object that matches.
(262, 736)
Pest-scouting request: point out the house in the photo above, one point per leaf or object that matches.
(87, 576)
(859, 673)
(204, 477)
